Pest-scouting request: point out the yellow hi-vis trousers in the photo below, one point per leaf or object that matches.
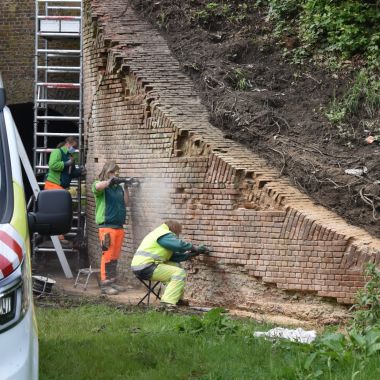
(174, 278)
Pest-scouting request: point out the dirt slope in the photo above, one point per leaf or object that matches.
(257, 97)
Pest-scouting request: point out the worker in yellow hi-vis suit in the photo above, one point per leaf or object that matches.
(158, 256)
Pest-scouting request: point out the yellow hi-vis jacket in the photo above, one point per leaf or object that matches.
(150, 252)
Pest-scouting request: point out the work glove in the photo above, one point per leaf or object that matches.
(130, 181)
(69, 162)
(203, 250)
(113, 181)
(192, 253)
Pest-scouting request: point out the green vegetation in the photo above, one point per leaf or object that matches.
(344, 28)
(367, 307)
(222, 11)
(366, 86)
(360, 345)
(336, 33)
(239, 80)
(104, 342)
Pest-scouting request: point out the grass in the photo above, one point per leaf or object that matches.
(93, 342)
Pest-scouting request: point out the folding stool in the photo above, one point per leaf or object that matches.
(87, 272)
(151, 288)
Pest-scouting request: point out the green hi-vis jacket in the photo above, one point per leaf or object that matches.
(150, 251)
(110, 206)
(59, 173)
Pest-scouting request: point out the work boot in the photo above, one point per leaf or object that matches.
(119, 288)
(108, 290)
(164, 306)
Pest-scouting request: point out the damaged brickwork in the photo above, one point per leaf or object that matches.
(142, 111)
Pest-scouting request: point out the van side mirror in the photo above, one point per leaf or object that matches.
(53, 214)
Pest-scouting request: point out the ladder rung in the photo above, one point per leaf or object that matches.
(58, 118)
(42, 167)
(49, 71)
(48, 150)
(62, 56)
(45, 167)
(58, 34)
(58, 69)
(72, 234)
(58, 101)
(64, 7)
(75, 184)
(58, 85)
(58, 51)
(56, 134)
(37, 249)
(76, 217)
(83, 197)
(59, 1)
(59, 17)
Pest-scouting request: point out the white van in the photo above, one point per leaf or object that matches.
(52, 216)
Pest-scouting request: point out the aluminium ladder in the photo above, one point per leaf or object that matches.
(58, 103)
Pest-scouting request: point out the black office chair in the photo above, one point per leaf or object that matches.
(151, 289)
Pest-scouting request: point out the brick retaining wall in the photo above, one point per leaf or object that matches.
(17, 49)
(141, 110)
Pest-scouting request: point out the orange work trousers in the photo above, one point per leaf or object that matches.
(52, 186)
(114, 249)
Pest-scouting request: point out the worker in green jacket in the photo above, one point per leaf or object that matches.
(62, 169)
(62, 165)
(158, 256)
(111, 199)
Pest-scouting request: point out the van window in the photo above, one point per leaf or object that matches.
(6, 191)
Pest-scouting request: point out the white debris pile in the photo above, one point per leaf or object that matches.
(357, 172)
(294, 335)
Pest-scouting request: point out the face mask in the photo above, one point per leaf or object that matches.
(71, 150)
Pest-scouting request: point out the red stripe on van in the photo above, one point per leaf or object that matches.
(12, 244)
(5, 266)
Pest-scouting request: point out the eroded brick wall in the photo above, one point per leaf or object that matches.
(142, 111)
(17, 49)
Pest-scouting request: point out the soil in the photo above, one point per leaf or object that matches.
(288, 310)
(258, 97)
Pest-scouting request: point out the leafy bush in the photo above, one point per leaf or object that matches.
(362, 340)
(344, 28)
(367, 314)
(284, 9)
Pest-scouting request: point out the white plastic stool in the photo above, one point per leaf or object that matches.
(87, 272)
